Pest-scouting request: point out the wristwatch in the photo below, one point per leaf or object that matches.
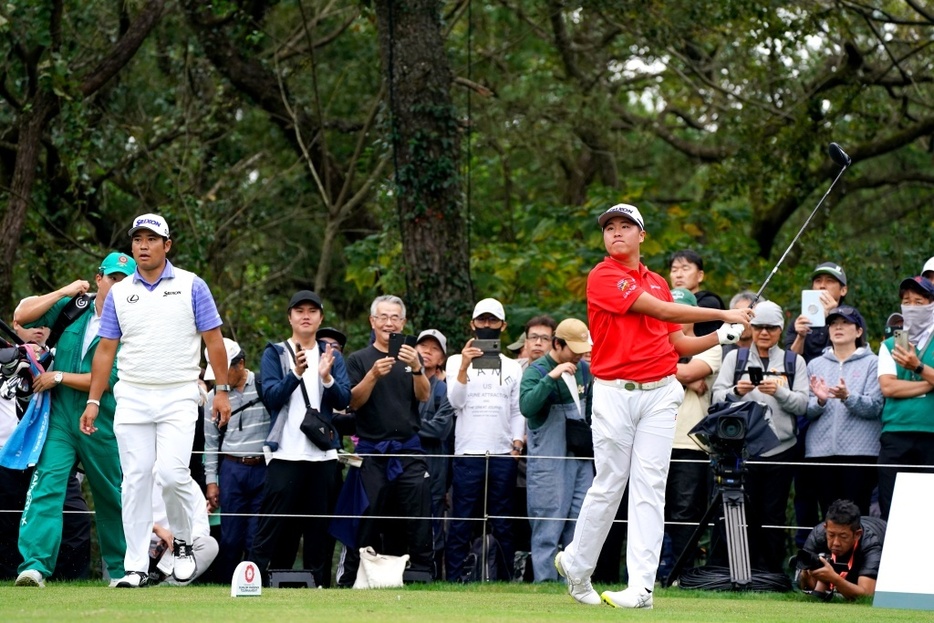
(58, 377)
(920, 368)
(418, 372)
(222, 388)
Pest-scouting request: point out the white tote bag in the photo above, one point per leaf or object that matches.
(379, 571)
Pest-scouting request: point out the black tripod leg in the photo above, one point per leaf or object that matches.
(691, 547)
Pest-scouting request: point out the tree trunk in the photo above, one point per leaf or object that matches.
(426, 143)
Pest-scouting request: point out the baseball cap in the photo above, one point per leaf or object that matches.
(848, 313)
(768, 314)
(332, 333)
(443, 341)
(489, 306)
(118, 263)
(622, 209)
(684, 296)
(575, 334)
(305, 295)
(233, 349)
(832, 269)
(518, 344)
(152, 222)
(928, 266)
(918, 284)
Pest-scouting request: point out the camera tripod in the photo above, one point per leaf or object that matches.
(728, 477)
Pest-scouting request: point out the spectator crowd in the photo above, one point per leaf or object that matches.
(449, 453)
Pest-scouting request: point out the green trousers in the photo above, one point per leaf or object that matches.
(40, 532)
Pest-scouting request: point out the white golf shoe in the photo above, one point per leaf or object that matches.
(629, 598)
(185, 567)
(30, 577)
(133, 579)
(578, 588)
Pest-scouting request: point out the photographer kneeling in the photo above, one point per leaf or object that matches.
(842, 554)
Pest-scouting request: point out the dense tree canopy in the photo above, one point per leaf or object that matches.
(380, 146)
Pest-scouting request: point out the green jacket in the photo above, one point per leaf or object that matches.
(538, 392)
(68, 359)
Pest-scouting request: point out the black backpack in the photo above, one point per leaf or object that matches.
(742, 359)
(497, 567)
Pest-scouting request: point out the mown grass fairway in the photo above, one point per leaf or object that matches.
(491, 602)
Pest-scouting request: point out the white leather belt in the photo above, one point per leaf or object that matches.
(633, 385)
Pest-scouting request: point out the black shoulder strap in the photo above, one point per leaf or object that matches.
(791, 365)
(742, 358)
(301, 381)
(71, 312)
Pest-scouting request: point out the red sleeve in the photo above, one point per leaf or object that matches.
(612, 290)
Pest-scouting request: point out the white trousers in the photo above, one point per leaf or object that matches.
(632, 436)
(155, 428)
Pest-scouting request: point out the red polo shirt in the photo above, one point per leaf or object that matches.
(628, 345)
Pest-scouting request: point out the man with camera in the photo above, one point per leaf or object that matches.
(842, 554)
(299, 375)
(483, 388)
(76, 319)
(388, 383)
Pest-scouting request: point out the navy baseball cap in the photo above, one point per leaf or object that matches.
(918, 284)
(848, 313)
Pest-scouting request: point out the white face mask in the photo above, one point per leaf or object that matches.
(918, 319)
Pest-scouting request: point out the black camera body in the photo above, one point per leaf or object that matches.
(808, 560)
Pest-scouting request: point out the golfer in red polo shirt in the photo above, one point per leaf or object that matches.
(637, 340)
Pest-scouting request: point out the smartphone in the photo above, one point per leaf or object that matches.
(755, 374)
(812, 307)
(901, 338)
(490, 357)
(396, 340)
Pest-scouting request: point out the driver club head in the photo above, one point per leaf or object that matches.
(838, 155)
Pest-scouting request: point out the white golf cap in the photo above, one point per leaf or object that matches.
(233, 349)
(152, 222)
(626, 211)
(437, 335)
(928, 266)
(489, 306)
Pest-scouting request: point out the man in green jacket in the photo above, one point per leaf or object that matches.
(41, 526)
(552, 397)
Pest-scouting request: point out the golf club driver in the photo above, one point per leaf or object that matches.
(838, 156)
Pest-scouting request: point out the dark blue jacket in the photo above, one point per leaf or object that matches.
(279, 383)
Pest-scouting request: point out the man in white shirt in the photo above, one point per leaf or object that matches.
(486, 404)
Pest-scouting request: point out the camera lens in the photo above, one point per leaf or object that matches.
(730, 427)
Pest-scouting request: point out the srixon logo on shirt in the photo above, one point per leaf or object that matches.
(170, 293)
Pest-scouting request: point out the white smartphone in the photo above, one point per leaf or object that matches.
(901, 338)
(812, 307)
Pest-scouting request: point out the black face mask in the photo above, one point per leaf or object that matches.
(486, 333)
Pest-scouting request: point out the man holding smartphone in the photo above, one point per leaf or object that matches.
(483, 388)
(386, 392)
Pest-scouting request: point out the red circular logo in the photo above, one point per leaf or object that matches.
(249, 573)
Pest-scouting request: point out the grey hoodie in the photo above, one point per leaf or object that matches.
(787, 403)
(851, 427)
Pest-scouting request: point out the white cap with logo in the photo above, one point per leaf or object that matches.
(152, 222)
(437, 335)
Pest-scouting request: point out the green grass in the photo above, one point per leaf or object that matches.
(74, 602)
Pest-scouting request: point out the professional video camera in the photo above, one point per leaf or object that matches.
(736, 429)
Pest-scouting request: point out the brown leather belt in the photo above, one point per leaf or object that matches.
(249, 461)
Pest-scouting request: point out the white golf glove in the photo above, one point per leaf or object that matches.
(729, 333)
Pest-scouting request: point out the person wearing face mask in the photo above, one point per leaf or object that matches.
(486, 405)
(906, 377)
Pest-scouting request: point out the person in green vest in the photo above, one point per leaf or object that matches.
(69, 380)
(906, 376)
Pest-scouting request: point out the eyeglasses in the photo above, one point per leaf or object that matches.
(384, 318)
(538, 338)
(488, 321)
(766, 327)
